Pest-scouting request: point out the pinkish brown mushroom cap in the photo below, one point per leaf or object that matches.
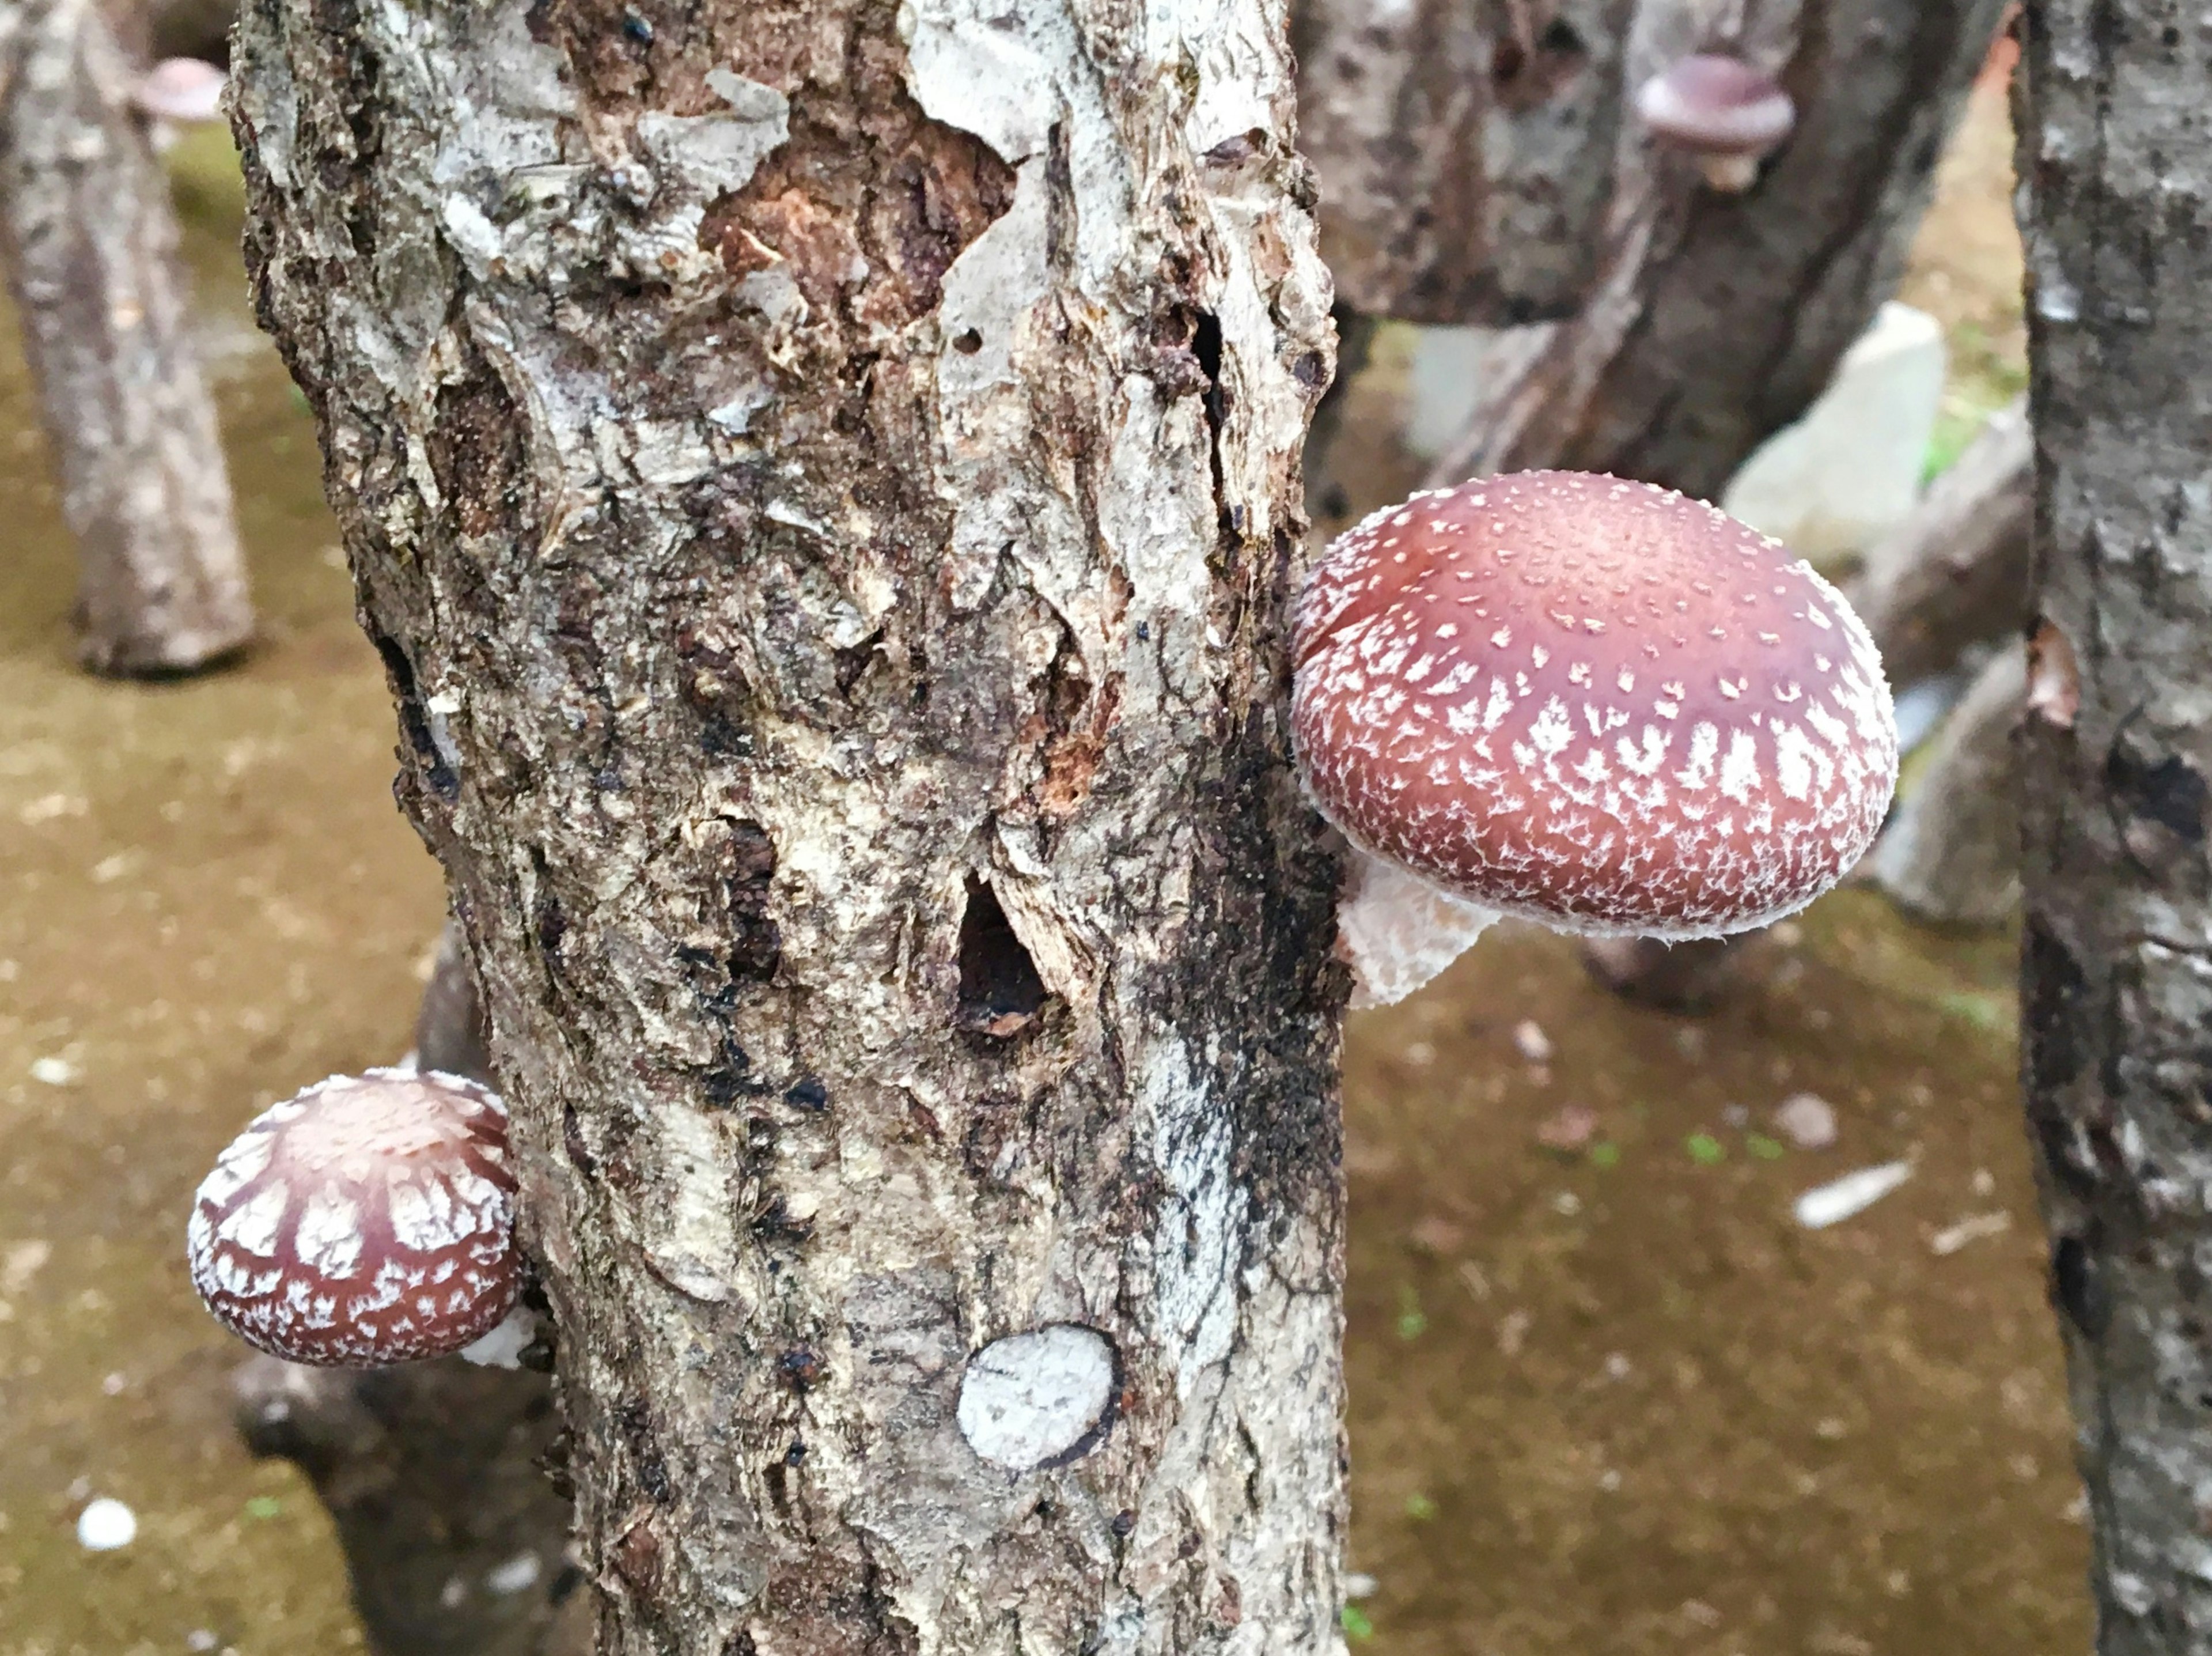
(1715, 105)
(1592, 703)
(367, 1222)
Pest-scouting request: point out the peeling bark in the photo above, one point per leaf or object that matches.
(88, 237)
(1714, 320)
(1954, 574)
(2117, 216)
(823, 480)
(1952, 853)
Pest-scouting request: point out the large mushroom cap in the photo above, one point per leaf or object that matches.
(367, 1222)
(1593, 704)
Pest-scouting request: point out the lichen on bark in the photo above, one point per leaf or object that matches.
(823, 481)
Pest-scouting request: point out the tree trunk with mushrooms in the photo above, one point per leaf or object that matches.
(822, 479)
(89, 240)
(2116, 215)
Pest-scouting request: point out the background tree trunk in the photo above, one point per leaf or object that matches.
(2116, 215)
(1714, 320)
(88, 237)
(822, 479)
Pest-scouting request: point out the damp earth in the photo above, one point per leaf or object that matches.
(1606, 1394)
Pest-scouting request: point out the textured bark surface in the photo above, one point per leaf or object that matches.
(1952, 853)
(1954, 574)
(1714, 320)
(2117, 216)
(88, 238)
(823, 481)
(1465, 150)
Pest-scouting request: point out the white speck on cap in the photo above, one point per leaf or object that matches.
(368, 1220)
(106, 1525)
(1728, 785)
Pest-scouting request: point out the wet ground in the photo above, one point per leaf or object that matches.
(1606, 1398)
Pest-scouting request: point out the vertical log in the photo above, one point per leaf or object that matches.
(823, 480)
(89, 240)
(2117, 216)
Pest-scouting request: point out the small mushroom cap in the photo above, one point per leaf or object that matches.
(1716, 106)
(1593, 704)
(180, 89)
(367, 1222)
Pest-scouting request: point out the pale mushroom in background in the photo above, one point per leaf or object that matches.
(1726, 114)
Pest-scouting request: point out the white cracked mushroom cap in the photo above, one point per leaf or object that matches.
(368, 1220)
(1592, 703)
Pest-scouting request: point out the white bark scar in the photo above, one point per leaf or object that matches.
(1030, 1397)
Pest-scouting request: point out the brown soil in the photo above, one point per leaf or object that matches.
(1611, 1400)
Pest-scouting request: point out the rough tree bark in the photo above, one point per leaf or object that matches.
(822, 479)
(445, 1481)
(1465, 148)
(2116, 215)
(88, 237)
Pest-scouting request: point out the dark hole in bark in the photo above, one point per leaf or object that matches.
(2055, 985)
(967, 342)
(2077, 1287)
(807, 1093)
(1000, 990)
(2164, 789)
(435, 772)
(1507, 60)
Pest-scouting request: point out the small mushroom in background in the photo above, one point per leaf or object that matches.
(178, 92)
(369, 1220)
(1584, 701)
(1721, 111)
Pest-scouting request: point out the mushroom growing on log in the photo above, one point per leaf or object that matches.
(368, 1220)
(1590, 702)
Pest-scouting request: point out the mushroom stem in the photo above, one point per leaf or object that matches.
(503, 1346)
(1396, 931)
(1729, 175)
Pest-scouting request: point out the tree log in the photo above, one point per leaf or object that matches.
(1952, 853)
(1954, 574)
(823, 481)
(1465, 150)
(1716, 319)
(2117, 761)
(90, 239)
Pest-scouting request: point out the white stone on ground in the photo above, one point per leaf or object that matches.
(104, 1525)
